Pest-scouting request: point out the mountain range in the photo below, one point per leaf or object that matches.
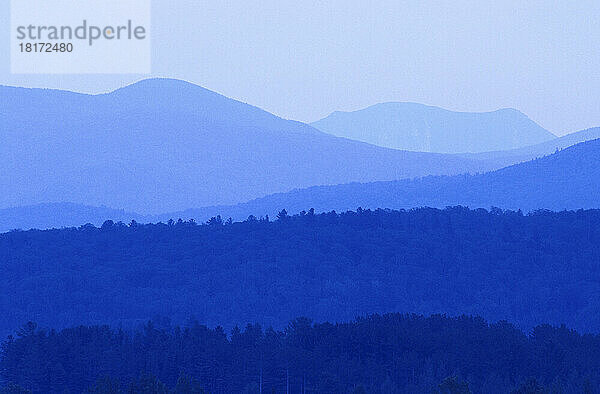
(417, 127)
(568, 179)
(165, 145)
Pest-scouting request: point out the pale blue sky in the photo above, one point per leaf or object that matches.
(305, 59)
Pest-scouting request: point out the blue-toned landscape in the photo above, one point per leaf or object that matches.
(336, 197)
(409, 271)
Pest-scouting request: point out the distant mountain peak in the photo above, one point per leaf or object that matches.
(394, 105)
(162, 83)
(420, 127)
(164, 87)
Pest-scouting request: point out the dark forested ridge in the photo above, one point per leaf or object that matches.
(528, 269)
(376, 354)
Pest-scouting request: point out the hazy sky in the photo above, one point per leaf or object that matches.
(305, 59)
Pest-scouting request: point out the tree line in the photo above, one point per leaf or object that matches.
(392, 353)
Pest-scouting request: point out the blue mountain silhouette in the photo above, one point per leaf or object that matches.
(569, 179)
(418, 127)
(513, 156)
(164, 145)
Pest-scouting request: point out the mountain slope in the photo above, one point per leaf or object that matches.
(418, 127)
(163, 145)
(569, 179)
(526, 153)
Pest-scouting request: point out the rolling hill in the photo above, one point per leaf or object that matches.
(569, 179)
(417, 127)
(165, 145)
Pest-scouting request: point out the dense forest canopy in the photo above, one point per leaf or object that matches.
(528, 269)
(376, 354)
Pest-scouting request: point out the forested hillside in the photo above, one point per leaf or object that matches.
(376, 354)
(527, 269)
